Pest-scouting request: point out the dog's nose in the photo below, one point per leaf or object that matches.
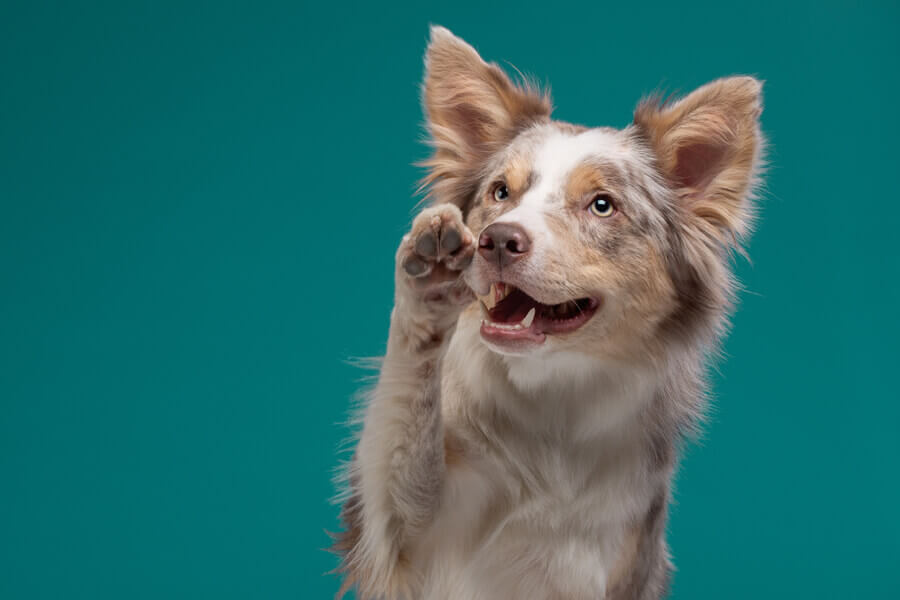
(503, 243)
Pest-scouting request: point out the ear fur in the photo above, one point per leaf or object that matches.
(472, 110)
(708, 145)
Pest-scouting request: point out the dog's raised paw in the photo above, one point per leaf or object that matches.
(438, 247)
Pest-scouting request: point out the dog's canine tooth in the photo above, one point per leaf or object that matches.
(529, 319)
(484, 309)
(488, 300)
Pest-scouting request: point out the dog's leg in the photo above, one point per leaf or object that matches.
(399, 464)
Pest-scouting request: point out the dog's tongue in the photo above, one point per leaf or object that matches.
(513, 308)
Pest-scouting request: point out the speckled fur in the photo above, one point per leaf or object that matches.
(483, 473)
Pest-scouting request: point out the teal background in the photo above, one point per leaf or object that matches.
(200, 205)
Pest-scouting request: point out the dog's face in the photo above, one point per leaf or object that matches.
(599, 241)
(570, 241)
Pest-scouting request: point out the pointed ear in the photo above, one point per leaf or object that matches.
(708, 145)
(472, 110)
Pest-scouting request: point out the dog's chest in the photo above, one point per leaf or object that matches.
(547, 526)
(537, 499)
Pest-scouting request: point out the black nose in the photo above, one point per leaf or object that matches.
(503, 243)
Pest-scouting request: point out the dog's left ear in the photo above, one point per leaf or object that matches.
(708, 145)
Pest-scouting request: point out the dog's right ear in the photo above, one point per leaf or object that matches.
(472, 109)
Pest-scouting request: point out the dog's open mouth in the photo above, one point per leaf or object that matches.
(511, 315)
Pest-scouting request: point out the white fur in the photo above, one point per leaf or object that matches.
(556, 156)
(585, 498)
(487, 476)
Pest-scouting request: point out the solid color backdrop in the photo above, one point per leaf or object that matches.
(200, 206)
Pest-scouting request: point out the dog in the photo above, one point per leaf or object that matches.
(557, 304)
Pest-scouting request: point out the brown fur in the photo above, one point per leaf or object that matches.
(472, 109)
(547, 474)
(518, 175)
(593, 178)
(708, 144)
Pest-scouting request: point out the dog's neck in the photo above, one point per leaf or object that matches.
(561, 395)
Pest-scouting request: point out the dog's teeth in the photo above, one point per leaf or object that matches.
(509, 326)
(564, 310)
(498, 291)
(484, 309)
(529, 319)
(487, 301)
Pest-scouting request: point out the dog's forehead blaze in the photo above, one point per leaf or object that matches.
(559, 161)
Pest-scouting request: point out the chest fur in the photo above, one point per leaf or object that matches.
(537, 528)
(537, 497)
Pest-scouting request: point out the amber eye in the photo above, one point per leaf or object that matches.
(602, 206)
(501, 192)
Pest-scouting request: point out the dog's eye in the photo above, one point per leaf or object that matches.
(501, 192)
(602, 206)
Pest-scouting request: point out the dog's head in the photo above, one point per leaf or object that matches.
(603, 241)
